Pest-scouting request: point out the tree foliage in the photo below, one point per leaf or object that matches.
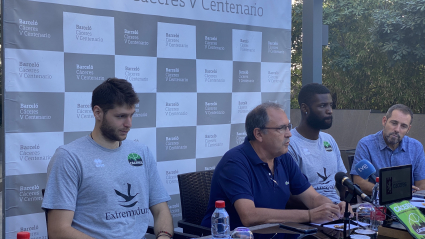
(376, 53)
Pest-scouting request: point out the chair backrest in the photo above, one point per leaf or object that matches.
(350, 163)
(194, 195)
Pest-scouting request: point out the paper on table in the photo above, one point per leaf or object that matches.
(351, 226)
(420, 204)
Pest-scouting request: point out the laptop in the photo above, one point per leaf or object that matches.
(395, 184)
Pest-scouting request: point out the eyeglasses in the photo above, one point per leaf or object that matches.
(281, 129)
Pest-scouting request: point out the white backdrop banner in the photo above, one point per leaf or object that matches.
(198, 66)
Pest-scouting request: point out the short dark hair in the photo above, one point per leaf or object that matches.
(113, 92)
(258, 118)
(308, 91)
(404, 109)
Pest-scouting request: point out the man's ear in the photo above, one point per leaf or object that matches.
(258, 134)
(98, 113)
(304, 109)
(410, 126)
(384, 120)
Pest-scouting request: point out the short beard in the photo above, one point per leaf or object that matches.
(107, 131)
(393, 142)
(317, 123)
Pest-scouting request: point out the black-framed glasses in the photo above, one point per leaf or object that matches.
(280, 129)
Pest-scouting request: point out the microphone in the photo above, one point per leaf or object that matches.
(342, 178)
(366, 170)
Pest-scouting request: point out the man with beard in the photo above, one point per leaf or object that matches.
(316, 152)
(101, 186)
(391, 147)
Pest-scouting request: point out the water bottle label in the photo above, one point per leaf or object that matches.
(379, 214)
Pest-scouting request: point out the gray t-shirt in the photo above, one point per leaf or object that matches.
(109, 190)
(319, 160)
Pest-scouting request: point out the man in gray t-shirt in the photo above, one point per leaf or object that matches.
(100, 186)
(315, 152)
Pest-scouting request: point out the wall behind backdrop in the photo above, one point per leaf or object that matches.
(198, 68)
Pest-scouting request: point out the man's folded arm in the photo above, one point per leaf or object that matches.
(311, 198)
(320, 206)
(250, 215)
(59, 225)
(321, 210)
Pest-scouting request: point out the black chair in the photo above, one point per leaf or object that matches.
(150, 230)
(194, 195)
(350, 163)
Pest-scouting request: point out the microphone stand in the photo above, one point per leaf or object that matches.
(346, 219)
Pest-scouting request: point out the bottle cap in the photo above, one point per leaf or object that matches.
(23, 235)
(219, 204)
(377, 179)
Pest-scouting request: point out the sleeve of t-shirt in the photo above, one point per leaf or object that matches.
(340, 163)
(63, 182)
(362, 152)
(418, 171)
(234, 179)
(157, 192)
(294, 154)
(298, 181)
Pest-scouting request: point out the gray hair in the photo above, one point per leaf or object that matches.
(258, 118)
(404, 109)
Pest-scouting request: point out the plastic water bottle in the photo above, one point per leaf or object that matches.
(377, 219)
(220, 224)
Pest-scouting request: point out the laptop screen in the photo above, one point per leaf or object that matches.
(395, 184)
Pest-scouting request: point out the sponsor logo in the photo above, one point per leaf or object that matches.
(175, 210)
(135, 159)
(328, 147)
(417, 223)
(403, 207)
(127, 202)
(127, 197)
(240, 137)
(389, 185)
(98, 163)
(324, 176)
(171, 176)
(364, 167)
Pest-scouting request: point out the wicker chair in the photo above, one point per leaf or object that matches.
(194, 195)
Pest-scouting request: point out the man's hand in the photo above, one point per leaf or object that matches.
(325, 213)
(341, 206)
(414, 189)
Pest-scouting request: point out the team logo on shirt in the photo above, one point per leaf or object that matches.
(328, 146)
(135, 159)
(127, 197)
(98, 163)
(129, 201)
(324, 176)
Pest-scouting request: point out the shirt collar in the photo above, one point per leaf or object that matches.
(383, 145)
(252, 155)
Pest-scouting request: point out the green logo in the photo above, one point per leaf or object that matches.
(328, 146)
(135, 159)
(410, 217)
